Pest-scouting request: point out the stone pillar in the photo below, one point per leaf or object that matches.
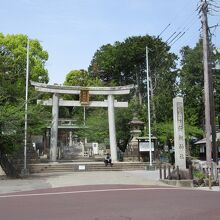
(179, 133)
(112, 133)
(54, 128)
(70, 138)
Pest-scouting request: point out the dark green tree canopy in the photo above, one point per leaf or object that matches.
(191, 82)
(124, 63)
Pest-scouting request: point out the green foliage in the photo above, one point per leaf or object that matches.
(96, 126)
(13, 53)
(191, 131)
(81, 78)
(11, 119)
(124, 63)
(123, 117)
(192, 82)
(195, 151)
(37, 119)
(136, 108)
(12, 124)
(164, 131)
(199, 175)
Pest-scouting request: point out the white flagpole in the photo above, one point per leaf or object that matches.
(148, 105)
(25, 171)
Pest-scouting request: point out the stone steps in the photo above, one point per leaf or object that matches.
(79, 167)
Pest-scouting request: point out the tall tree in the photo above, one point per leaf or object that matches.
(192, 82)
(13, 51)
(125, 63)
(81, 78)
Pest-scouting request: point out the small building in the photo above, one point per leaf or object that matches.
(202, 146)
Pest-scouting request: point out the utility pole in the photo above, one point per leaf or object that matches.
(213, 126)
(208, 89)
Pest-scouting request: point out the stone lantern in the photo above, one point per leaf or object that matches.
(132, 151)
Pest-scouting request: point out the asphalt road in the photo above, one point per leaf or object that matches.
(111, 202)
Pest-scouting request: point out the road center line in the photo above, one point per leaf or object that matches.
(84, 191)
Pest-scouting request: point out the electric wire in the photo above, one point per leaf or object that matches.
(179, 32)
(174, 18)
(183, 29)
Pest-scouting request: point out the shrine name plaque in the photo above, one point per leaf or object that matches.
(84, 97)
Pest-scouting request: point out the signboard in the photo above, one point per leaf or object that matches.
(145, 147)
(82, 167)
(179, 133)
(84, 97)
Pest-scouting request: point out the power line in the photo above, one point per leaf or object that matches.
(170, 37)
(174, 18)
(178, 38)
(182, 29)
(175, 36)
(187, 24)
(163, 30)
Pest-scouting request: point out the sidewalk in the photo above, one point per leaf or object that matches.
(53, 180)
(214, 188)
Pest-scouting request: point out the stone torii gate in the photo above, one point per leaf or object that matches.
(84, 93)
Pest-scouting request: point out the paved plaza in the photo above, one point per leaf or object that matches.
(53, 180)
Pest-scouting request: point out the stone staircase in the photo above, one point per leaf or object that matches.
(87, 166)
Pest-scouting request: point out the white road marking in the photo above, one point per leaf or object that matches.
(85, 191)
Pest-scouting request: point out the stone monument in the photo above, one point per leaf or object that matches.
(179, 133)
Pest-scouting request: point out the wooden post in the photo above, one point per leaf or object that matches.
(190, 172)
(169, 176)
(210, 183)
(207, 172)
(219, 180)
(160, 171)
(164, 172)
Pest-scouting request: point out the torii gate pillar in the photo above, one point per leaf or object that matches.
(54, 127)
(112, 133)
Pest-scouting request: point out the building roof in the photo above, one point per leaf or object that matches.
(203, 141)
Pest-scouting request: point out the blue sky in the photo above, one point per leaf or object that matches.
(72, 30)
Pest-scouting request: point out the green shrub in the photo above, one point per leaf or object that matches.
(199, 175)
